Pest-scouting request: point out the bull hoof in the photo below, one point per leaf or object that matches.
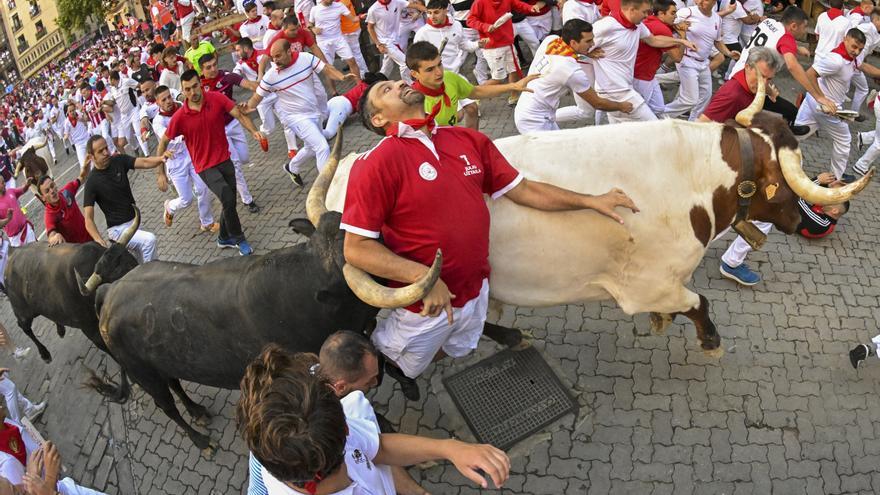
(47, 358)
(209, 451)
(660, 322)
(523, 345)
(61, 330)
(716, 353)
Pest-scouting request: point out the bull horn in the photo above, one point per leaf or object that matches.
(379, 296)
(745, 116)
(129, 232)
(790, 163)
(317, 198)
(90, 285)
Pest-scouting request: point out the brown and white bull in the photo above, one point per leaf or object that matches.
(683, 176)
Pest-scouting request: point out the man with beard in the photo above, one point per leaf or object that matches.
(420, 172)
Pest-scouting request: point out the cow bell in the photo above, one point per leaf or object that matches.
(750, 233)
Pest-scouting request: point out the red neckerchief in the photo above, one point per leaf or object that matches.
(834, 13)
(12, 443)
(857, 10)
(427, 122)
(273, 27)
(72, 120)
(741, 79)
(254, 20)
(385, 3)
(176, 106)
(293, 57)
(311, 486)
(618, 15)
(841, 50)
(438, 26)
(252, 61)
(441, 91)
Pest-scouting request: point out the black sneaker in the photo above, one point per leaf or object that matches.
(799, 130)
(859, 170)
(859, 140)
(858, 354)
(295, 177)
(408, 386)
(67, 150)
(848, 178)
(861, 118)
(253, 207)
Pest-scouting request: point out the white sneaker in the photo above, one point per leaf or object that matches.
(36, 411)
(21, 352)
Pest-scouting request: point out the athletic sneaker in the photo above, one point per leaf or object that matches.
(408, 386)
(848, 178)
(253, 207)
(21, 352)
(858, 354)
(858, 170)
(741, 274)
(799, 130)
(244, 249)
(226, 243)
(167, 217)
(295, 177)
(213, 228)
(512, 99)
(36, 411)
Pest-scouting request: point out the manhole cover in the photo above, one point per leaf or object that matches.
(509, 396)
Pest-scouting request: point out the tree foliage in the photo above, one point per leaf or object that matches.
(74, 15)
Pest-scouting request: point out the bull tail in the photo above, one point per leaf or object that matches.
(111, 391)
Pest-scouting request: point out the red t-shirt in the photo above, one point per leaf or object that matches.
(786, 44)
(648, 58)
(484, 13)
(65, 217)
(731, 97)
(419, 202)
(298, 43)
(203, 131)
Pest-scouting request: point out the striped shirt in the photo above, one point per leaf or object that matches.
(293, 84)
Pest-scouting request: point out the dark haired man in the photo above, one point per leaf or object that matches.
(648, 58)
(63, 218)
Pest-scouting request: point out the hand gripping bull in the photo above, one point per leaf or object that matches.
(691, 182)
(165, 322)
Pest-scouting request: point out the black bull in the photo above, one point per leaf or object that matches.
(43, 281)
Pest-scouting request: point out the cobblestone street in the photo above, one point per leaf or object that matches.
(781, 412)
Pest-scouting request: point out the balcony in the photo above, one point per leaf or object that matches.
(22, 46)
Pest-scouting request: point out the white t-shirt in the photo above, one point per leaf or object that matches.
(752, 7)
(731, 24)
(856, 18)
(830, 32)
(704, 31)
(576, 9)
(255, 30)
(457, 46)
(293, 84)
(361, 447)
(386, 20)
(614, 71)
(120, 95)
(835, 74)
(767, 33)
(244, 70)
(327, 19)
(559, 74)
(270, 33)
(180, 155)
(872, 40)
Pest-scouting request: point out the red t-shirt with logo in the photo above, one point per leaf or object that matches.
(203, 131)
(298, 43)
(420, 202)
(648, 58)
(66, 217)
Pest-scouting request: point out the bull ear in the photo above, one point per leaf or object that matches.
(302, 226)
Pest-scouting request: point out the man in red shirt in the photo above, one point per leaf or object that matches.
(648, 58)
(202, 123)
(63, 218)
(420, 189)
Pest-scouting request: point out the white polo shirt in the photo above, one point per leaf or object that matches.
(559, 74)
(294, 87)
(835, 74)
(457, 46)
(327, 19)
(255, 30)
(831, 32)
(704, 31)
(386, 20)
(614, 71)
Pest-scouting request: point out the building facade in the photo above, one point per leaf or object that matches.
(8, 69)
(33, 36)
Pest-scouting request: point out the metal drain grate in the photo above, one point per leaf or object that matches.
(509, 396)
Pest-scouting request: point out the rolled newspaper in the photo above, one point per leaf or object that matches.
(501, 20)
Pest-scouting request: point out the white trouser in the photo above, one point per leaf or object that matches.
(143, 244)
(333, 46)
(186, 180)
(50, 142)
(871, 138)
(133, 127)
(393, 55)
(339, 109)
(581, 110)
(527, 33)
(22, 238)
(186, 25)
(526, 125)
(105, 130)
(81, 151)
(407, 28)
(353, 40)
(481, 67)
(860, 83)
(314, 144)
(4, 256)
(667, 78)
(320, 93)
(69, 487)
(810, 115)
(640, 112)
(739, 248)
(239, 154)
(694, 92)
(651, 92)
(542, 24)
(17, 404)
(268, 111)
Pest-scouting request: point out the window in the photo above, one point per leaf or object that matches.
(10, 4)
(16, 22)
(41, 30)
(22, 44)
(34, 9)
